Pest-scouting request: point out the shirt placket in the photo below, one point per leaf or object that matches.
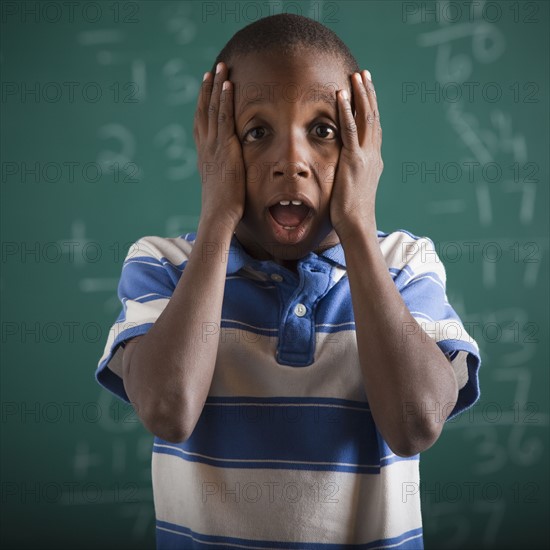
(299, 299)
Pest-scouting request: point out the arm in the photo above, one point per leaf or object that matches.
(409, 381)
(405, 376)
(167, 372)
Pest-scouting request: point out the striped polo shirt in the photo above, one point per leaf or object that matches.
(286, 453)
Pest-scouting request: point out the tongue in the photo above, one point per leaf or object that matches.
(291, 215)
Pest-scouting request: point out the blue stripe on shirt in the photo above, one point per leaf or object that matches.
(315, 436)
(174, 537)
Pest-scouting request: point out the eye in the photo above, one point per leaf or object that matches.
(325, 131)
(254, 134)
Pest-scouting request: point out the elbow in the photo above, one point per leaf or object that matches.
(172, 430)
(415, 439)
(170, 417)
(171, 424)
(172, 434)
(422, 423)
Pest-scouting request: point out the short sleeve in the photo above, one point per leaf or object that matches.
(150, 273)
(420, 277)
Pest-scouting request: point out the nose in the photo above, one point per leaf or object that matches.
(291, 158)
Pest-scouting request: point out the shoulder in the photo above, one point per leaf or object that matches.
(405, 252)
(164, 250)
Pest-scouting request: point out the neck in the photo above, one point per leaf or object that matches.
(257, 251)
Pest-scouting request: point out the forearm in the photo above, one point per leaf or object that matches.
(408, 380)
(171, 368)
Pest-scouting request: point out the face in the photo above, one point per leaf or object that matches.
(286, 120)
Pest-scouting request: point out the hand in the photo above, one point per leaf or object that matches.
(360, 164)
(220, 158)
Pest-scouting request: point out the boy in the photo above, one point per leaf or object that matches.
(291, 361)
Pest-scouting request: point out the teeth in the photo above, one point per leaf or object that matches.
(288, 227)
(286, 203)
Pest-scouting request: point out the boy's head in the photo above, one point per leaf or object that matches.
(286, 70)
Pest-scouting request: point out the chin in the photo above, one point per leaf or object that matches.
(263, 246)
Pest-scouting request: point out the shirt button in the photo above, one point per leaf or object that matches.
(300, 310)
(276, 277)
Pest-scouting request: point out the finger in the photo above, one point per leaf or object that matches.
(200, 126)
(375, 126)
(362, 106)
(226, 120)
(348, 128)
(214, 106)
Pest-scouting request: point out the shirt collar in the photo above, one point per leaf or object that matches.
(238, 257)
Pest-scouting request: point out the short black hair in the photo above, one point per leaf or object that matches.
(287, 34)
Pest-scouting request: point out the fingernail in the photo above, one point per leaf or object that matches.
(368, 75)
(218, 67)
(345, 94)
(205, 76)
(225, 85)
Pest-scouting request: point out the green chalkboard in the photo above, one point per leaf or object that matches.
(97, 105)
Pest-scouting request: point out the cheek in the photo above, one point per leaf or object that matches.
(326, 171)
(255, 169)
(255, 175)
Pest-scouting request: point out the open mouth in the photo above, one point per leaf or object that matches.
(290, 214)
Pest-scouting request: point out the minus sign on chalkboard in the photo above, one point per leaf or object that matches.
(98, 284)
(105, 57)
(99, 36)
(451, 206)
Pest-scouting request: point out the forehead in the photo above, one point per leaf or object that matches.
(270, 78)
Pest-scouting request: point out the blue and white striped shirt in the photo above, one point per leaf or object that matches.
(286, 453)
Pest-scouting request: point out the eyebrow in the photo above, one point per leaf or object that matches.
(315, 96)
